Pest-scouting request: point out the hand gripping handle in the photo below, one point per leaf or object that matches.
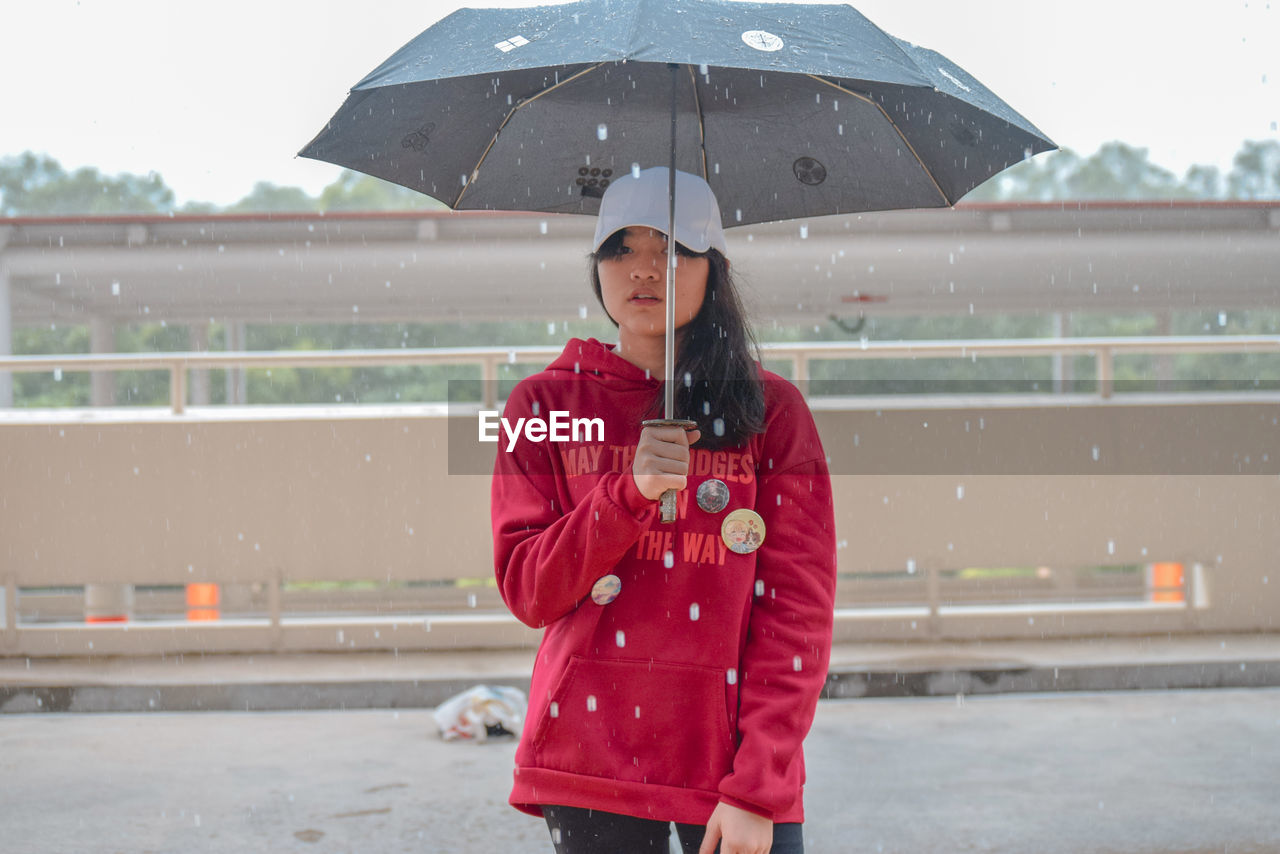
(667, 503)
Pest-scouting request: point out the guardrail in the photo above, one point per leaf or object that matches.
(801, 356)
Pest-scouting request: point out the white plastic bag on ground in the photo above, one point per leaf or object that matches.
(482, 712)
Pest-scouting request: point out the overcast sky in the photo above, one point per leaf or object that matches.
(217, 96)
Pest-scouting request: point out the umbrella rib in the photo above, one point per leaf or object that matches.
(893, 125)
(475, 171)
(702, 128)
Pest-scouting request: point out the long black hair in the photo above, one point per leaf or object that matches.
(717, 382)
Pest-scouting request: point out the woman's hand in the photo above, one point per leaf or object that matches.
(662, 460)
(738, 831)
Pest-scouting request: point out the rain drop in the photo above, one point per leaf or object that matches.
(621, 639)
(804, 232)
(1111, 547)
(115, 289)
(1097, 452)
(554, 711)
(635, 170)
(796, 664)
(960, 492)
(591, 702)
(717, 426)
(759, 587)
(911, 566)
(602, 132)
(669, 559)
(582, 312)
(542, 227)
(731, 676)
(694, 612)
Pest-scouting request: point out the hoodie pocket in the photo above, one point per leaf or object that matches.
(639, 721)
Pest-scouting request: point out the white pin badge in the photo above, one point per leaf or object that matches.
(762, 40)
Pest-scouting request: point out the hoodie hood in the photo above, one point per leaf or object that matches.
(599, 359)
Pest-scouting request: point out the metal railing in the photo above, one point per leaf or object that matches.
(800, 355)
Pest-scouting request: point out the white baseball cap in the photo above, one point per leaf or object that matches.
(641, 199)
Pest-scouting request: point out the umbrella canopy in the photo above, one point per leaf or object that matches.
(787, 110)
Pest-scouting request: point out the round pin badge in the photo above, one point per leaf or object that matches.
(742, 531)
(713, 495)
(606, 589)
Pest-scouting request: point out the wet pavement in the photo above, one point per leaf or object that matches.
(1138, 772)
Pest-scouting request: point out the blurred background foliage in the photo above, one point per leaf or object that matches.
(35, 185)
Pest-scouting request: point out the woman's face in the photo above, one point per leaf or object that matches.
(633, 285)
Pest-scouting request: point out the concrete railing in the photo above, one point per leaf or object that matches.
(801, 356)
(286, 507)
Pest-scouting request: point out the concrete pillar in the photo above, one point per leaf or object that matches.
(102, 384)
(198, 342)
(6, 331)
(1063, 366)
(237, 380)
(105, 603)
(1164, 361)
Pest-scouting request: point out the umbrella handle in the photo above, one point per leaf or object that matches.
(667, 503)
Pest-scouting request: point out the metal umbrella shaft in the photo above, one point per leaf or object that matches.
(669, 360)
(667, 504)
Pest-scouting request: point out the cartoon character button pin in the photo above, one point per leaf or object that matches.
(742, 531)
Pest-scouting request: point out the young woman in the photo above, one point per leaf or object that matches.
(681, 663)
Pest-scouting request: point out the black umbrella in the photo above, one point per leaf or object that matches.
(786, 110)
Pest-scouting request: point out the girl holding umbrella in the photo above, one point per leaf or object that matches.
(681, 663)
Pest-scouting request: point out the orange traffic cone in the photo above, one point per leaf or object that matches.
(1166, 582)
(202, 602)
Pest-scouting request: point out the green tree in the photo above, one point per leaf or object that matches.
(1114, 171)
(1204, 182)
(353, 191)
(272, 198)
(1255, 173)
(37, 185)
(1119, 171)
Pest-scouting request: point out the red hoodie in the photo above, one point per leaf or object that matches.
(698, 683)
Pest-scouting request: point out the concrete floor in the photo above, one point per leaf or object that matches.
(1068, 773)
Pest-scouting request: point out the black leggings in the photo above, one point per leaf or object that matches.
(581, 831)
